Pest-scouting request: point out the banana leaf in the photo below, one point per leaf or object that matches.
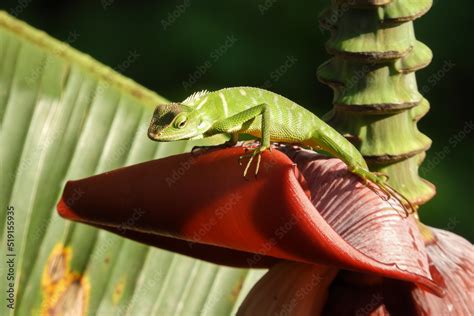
(65, 116)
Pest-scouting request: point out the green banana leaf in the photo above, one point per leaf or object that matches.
(65, 116)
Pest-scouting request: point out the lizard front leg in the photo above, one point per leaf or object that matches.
(237, 123)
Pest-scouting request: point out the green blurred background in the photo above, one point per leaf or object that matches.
(177, 47)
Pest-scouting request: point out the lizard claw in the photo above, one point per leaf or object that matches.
(259, 158)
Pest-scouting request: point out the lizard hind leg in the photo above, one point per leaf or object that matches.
(380, 180)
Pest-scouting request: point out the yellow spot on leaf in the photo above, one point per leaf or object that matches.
(64, 292)
(118, 291)
(236, 289)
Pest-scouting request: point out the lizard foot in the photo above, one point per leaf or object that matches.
(257, 152)
(380, 180)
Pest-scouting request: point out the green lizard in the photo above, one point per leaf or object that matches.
(262, 114)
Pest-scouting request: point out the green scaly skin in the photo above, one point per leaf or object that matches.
(257, 112)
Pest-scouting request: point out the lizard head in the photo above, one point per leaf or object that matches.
(176, 121)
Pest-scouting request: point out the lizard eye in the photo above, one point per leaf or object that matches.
(180, 121)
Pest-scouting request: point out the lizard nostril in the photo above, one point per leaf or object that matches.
(152, 133)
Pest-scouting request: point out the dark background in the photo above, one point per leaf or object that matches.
(144, 41)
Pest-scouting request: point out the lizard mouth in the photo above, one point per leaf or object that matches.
(159, 136)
